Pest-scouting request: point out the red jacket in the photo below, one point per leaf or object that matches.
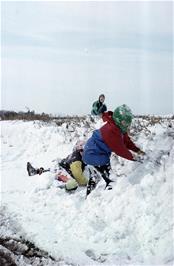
(117, 141)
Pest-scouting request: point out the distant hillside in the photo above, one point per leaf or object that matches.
(31, 116)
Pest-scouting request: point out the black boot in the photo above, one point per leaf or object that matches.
(90, 186)
(31, 170)
(105, 171)
(108, 186)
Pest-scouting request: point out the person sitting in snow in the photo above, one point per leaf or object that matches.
(98, 106)
(73, 165)
(111, 137)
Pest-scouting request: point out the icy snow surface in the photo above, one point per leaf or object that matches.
(129, 225)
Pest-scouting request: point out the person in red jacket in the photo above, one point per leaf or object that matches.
(111, 137)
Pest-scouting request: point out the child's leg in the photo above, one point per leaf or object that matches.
(104, 170)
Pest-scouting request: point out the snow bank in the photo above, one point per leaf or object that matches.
(129, 225)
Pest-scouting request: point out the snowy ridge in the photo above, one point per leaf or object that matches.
(129, 225)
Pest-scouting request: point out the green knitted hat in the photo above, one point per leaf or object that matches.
(122, 117)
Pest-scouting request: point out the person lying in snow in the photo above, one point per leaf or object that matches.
(111, 137)
(73, 165)
(98, 106)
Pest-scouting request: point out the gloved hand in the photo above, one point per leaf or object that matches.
(102, 109)
(140, 152)
(139, 157)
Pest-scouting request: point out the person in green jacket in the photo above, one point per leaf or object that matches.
(98, 106)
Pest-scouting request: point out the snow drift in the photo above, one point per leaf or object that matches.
(129, 225)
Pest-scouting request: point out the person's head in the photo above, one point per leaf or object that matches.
(122, 117)
(79, 146)
(101, 98)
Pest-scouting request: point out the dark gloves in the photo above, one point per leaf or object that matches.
(140, 156)
(102, 109)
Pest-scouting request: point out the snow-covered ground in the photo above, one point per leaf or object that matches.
(132, 224)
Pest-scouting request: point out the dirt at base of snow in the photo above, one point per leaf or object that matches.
(21, 252)
(16, 251)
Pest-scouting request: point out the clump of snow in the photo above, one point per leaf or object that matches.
(128, 225)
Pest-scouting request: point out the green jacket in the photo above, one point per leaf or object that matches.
(98, 108)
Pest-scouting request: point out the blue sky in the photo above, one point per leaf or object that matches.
(57, 57)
